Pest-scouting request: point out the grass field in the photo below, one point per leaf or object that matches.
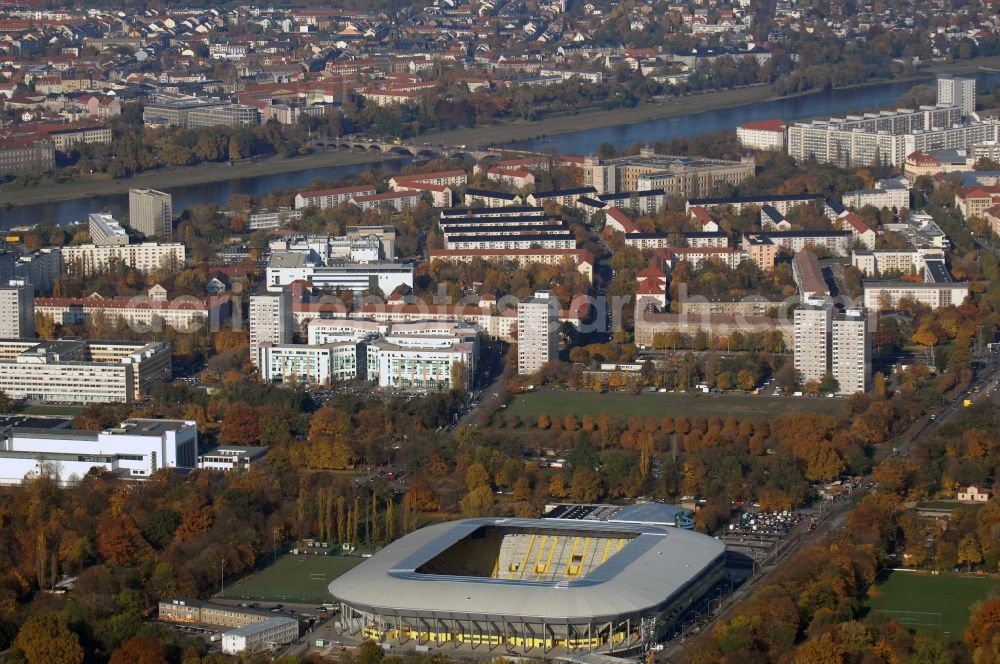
(292, 579)
(932, 604)
(657, 405)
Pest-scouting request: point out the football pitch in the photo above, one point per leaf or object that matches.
(740, 406)
(293, 578)
(940, 604)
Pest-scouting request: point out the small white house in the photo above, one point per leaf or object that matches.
(973, 494)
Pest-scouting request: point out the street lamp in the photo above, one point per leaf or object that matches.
(222, 578)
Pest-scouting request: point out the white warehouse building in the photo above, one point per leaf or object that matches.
(135, 449)
(265, 635)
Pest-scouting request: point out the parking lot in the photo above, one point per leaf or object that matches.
(757, 534)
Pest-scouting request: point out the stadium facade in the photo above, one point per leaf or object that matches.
(530, 587)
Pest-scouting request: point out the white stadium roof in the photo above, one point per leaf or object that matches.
(655, 565)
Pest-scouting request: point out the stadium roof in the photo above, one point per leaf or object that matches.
(656, 564)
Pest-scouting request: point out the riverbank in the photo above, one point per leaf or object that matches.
(499, 134)
(181, 177)
(502, 134)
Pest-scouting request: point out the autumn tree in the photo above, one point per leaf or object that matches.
(586, 485)
(46, 638)
(140, 649)
(984, 626)
(240, 425)
(478, 502)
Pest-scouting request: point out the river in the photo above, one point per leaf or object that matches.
(825, 103)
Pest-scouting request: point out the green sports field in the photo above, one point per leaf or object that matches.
(928, 603)
(658, 404)
(292, 579)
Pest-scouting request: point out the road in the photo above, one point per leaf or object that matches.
(835, 512)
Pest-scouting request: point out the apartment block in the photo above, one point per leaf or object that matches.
(960, 92)
(146, 257)
(762, 135)
(141, 314)
(106, 231)
(813, 326)
(17, 310)
(851, 351)
(581, 258)
(331, 198)
(537, 332)
(151, 213)
(270, 321)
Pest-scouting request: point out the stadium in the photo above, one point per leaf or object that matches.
(533, 587)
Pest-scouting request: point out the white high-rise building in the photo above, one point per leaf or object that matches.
(959, 92)
(851, 351)
(270, 320)
(17, 310)
(812, 340)
(537, 332)
(151, 212)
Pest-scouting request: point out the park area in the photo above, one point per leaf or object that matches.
(741, 406)
(293, 578)
(926, 603)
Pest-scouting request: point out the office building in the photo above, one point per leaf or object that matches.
(960, 92)
(71, 371)
(151, 213)
(851, 351)
(198, 112)
(286, 267)
(357, 249)
(411, 359)
(537, 332)
(813, 325)
(229, 458)
(31, 154)
(200, 612)
(675, 175)
(134, 450)
(17, 311)
(386, 236)
(411, 356)
(256, 637)
(88, 259)
(880, 295)
(270, 321)
(266, 219)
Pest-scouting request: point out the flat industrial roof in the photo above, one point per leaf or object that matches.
(656, 564)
